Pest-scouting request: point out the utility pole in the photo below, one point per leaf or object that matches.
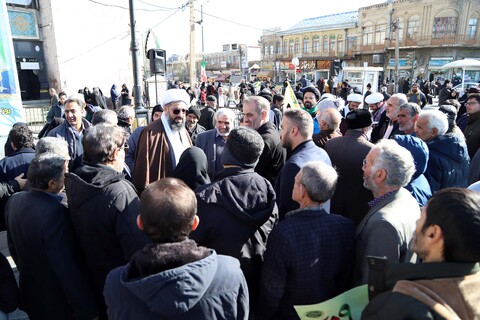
(140, 110)
(192, 72)
(397, 53)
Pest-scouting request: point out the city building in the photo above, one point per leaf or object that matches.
(430, 34)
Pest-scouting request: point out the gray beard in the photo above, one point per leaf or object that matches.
(176, 126)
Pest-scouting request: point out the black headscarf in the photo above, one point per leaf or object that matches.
(192, 168)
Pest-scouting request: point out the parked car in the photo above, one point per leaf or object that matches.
(467, 85)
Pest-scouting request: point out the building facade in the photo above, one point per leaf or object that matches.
(430, 34)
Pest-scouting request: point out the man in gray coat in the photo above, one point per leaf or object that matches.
(388, 228)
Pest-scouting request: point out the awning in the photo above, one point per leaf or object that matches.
(264, 74)
(221, 78)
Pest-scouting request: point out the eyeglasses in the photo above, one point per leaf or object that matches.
(364, 162)
(471, 103)
(177, 111)
(124, 146)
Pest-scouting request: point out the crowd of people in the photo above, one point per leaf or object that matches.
(202, 214)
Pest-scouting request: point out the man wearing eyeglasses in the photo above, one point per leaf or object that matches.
(162, 142)
(472, 131)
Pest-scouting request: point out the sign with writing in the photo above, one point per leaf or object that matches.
(346, 306)
(10, 100)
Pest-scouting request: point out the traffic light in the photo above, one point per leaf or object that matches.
(157, 59)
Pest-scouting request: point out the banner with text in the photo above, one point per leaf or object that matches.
(10, 99)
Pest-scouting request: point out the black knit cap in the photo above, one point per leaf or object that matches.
(358, 118)
(195, 111)
(243, 148)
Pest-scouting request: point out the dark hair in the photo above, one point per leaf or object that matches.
(100, 142)
(63, 93)
(21, 136)
(475, 96)
(167, 209)
(457, 212)
(312, 90)
(44, 168)
(277, 97)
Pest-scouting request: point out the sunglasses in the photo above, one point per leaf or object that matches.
(177, 111)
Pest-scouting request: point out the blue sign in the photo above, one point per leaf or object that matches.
(401, 62)
(439, 62)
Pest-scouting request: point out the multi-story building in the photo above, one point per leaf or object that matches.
(319, 44)
(430, 34)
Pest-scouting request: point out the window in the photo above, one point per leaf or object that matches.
(412, 26)
(297, 45)
(279, 48)
(472, 28)
(306, 42)
(333, 44)
(444, 27)
(325, 44)
(368, 35)
(351, 43)
(291, 46)
(265, 50)
(380, 33)
(340, 43)
(316, 44)
(285, 47)
(271, 49)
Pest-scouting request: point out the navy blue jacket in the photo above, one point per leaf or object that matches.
(212, 287)
(11, 167)
(449, 163)
(303, 153)
(309, 259)
(53, 280)
(418, 186)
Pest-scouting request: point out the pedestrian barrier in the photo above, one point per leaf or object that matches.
(35, 116)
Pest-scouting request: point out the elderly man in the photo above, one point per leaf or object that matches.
(297, 130)
(53, 281)
(73, 129)
(104, 206)
(387, 229)
(192, 125)
(213, 141)
(351, 198)
(388, 125)
(408, 116)
(310, 253)
(329, 121)
(256, 112)
(446, 284)
(162, 142)
(126, 117)
(448, 162)
(238, 209)
(187, 281)
(417, 96)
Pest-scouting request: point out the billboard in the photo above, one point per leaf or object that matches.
(10, 99)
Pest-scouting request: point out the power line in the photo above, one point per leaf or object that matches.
(125, 8)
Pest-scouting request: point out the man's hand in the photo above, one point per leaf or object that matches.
(21, 182)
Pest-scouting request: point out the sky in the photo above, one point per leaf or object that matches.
(228, 21)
